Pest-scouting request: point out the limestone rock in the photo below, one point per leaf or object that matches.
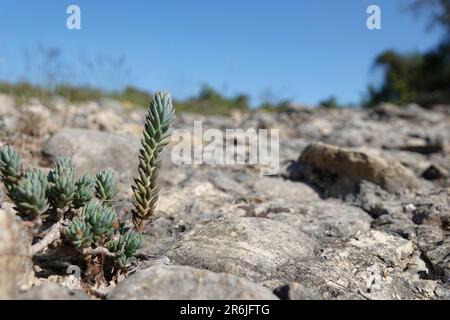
(254, 248)
(187, 283)
(371, 265)
(93, 151)
(52, 291)
(16, 268)
(343, 169)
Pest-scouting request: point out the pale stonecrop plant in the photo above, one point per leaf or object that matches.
(79, 211)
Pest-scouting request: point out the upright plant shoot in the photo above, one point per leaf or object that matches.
(159, 119)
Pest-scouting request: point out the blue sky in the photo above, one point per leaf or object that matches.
(303, 50)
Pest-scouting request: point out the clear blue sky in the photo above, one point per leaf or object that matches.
(303, 50)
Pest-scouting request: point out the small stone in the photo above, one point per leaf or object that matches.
(341, 170)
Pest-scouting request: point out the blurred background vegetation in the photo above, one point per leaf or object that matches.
(419, 77)
(422, 78)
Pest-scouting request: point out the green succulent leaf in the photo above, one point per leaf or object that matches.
(10, 168)
(129, 244)
(84, 190)
(102, 220)
(29, 194)
(106, 187)
(62, 180)
(79, 233)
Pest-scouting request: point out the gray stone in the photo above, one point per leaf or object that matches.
(16, 267)
(276, 188)
(370, 265)
(52, 291)
(326, 220)
(253, 248)
(187, 283)
(93, 151)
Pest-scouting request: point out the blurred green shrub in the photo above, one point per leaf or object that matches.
(135, 96)
(280, 106)
(210, 101)
(423, 78)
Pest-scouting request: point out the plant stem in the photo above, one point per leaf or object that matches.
(100, 251)
(53, 234)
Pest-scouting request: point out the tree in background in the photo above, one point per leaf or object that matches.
(421, 78)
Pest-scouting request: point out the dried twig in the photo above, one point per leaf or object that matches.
(52, 235)
(100, 251)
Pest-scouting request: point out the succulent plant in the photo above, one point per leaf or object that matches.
(102, 220)
(89, 223)
(83, 194)
(62, 181)
(93, 226)
(10, 168)
(29, 194)
(79, 233)
(159, 119)
(129, 244)
(106, 187)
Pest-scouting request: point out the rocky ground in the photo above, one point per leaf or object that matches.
(359, 210)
